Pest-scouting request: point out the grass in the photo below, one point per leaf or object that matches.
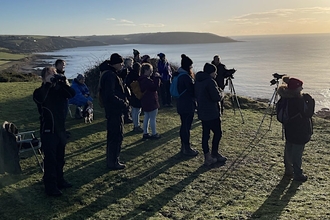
(11, 56)
(160, 184)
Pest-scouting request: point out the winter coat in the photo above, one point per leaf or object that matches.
(133, 76)
(222, 73)
(150, 86)
(186, 103)
(112, 93)
(52, 106)
(208, 97)
(164, 69)
(299, 129)
(82, 94)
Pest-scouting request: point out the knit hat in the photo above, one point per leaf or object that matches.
(186, 62)
(115, 58)
(161, 55)
(145, 58)
(80, 76)
(135, 52)
(209, 68)
(294, 83)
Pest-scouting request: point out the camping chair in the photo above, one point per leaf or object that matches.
(27, 141)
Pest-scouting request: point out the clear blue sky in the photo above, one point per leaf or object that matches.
(110, 17)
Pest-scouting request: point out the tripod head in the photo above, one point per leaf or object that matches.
(276, 79)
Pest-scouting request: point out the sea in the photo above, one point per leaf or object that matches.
(256, 59)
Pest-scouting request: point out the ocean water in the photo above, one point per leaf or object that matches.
(256, 58)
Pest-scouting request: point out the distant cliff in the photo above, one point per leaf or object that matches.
(33, 44)
(161, 38)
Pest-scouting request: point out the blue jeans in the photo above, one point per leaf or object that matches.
(136, 116)
(150, 117)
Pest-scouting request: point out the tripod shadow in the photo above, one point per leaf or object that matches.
(277, 200)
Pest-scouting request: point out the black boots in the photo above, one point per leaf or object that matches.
(186, 150)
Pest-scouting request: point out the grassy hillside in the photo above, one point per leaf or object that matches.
(160, 184)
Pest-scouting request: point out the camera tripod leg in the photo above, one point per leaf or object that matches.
(234, 98)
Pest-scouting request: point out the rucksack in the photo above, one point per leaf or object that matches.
(282, 110)
(174, 86)
(135, 87)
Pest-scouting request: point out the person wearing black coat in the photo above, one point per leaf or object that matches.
(299, 129)
(222, 74)
(208, 96)
(115, 102)
(186, 103)
(51, 99)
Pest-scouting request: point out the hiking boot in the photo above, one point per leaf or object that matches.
(300, 178)
(208, 159)
(155, 136)
(189, 152)
(146, 136)
(55, 192)
(64, 185)
(219, 157)
(138, 129)
(117, 166)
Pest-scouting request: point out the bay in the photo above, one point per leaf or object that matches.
(256, 58)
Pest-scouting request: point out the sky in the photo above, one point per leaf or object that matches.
(113, 17)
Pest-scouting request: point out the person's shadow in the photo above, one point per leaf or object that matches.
(277, 201)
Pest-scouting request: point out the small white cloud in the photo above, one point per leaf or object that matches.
(126, 25)
(126, 21)
(111, 19)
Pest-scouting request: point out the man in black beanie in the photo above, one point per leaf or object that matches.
(113, 97)
(208, 97)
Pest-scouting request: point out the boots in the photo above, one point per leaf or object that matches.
(209, 159)
(188, 151)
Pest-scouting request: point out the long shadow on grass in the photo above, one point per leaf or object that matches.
(128, 185)
(276, 202)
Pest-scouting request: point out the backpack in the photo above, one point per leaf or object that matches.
(135, 87)
(282, 110)
(174, 86)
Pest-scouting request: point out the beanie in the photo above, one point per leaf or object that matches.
(135, 52)
(209, 68)
(80, 76)
(294, 83)
(115, 58)
(186, 62)
(161, 55)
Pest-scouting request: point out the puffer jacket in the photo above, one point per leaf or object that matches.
(186, 103)
(299, 129)
(82, 94)
(208, 96)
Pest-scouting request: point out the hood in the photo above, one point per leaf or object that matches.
(284, 92)
(201, 76)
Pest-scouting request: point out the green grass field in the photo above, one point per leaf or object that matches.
(11, 56)
(160, 184)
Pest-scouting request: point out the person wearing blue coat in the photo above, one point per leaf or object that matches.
(82, 97)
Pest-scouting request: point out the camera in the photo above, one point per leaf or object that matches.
(276, 78)
(57, 78)
(229, 74)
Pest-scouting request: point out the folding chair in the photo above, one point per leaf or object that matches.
(27, 141)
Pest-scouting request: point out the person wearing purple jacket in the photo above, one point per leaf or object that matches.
(149, 84)
(164, 69)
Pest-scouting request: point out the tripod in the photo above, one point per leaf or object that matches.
(234, 98)
(271, 105)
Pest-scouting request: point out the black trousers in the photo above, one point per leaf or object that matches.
(215, 127)
(186, 121)
(53, 146)
(115, 125)
(165, 92)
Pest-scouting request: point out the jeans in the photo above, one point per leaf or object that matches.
(136, 116)
(186, 121)
(215, 127)
(150, 117)
(293, 157)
